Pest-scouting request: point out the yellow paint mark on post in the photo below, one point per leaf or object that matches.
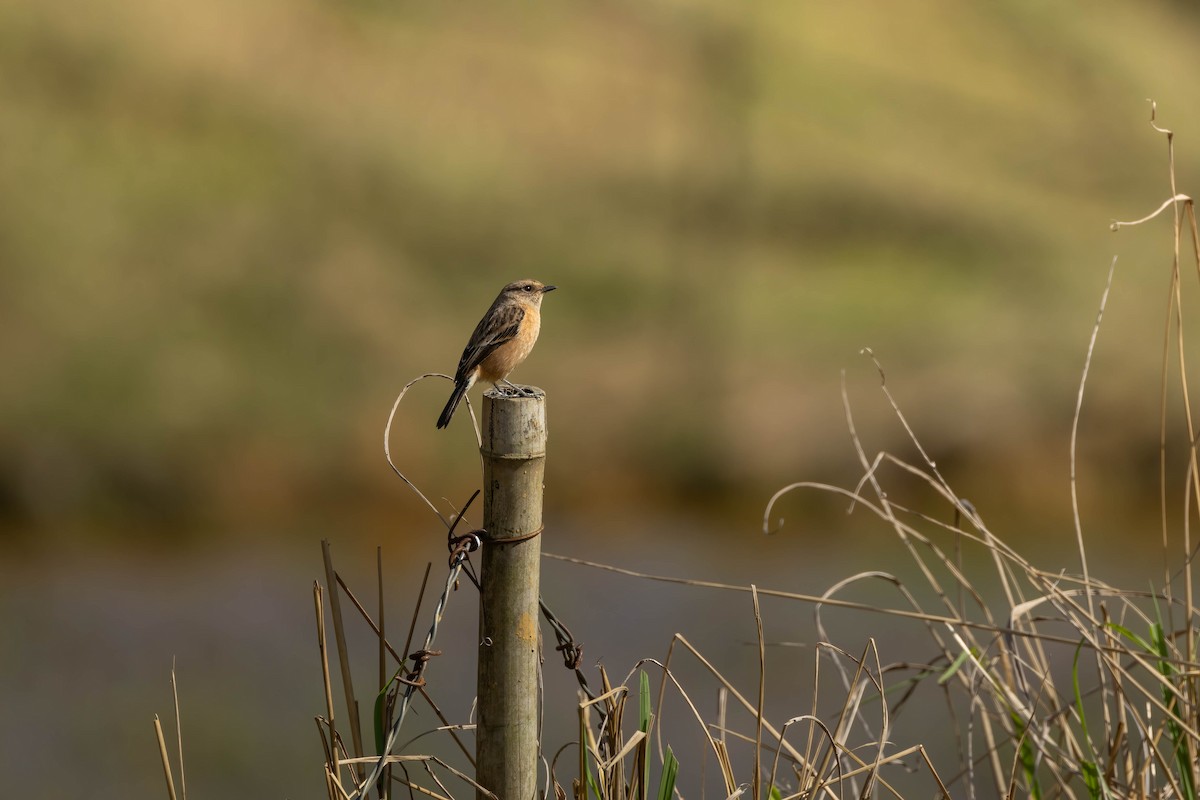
(527, 628)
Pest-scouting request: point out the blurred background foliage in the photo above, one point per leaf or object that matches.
(231, 231)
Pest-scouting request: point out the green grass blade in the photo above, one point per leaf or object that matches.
(954, 667)
(666, 787)
(645, 717)
(378, 721)
(1171, 700)
(1131, 636)
(1026, 757)
(1091, 778)
(1090, 770)
(644, 712)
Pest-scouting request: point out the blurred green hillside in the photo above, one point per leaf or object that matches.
(230, 232)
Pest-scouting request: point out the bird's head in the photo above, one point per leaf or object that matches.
(527, 290)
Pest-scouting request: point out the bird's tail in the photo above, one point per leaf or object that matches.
(460, 391)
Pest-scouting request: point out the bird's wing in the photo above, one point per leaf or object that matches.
(497, 327)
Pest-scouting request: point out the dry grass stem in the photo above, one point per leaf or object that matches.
(166, 759)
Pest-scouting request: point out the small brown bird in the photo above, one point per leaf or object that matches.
(501, 341)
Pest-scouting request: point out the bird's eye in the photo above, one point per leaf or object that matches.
(528, 287)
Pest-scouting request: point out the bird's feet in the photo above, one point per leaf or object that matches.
(511, 389)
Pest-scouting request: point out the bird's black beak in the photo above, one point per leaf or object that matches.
(548, 289)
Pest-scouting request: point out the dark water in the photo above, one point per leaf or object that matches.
(90, 638)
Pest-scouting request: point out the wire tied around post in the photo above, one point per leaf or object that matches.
(514, 539)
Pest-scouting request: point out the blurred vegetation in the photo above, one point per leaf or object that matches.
(230, 232)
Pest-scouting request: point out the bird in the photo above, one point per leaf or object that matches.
(501, 341)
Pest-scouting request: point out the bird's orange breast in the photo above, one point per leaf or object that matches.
(509, 355)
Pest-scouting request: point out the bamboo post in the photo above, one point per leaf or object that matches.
(514, 452)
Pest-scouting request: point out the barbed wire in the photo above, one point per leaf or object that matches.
(412, 681)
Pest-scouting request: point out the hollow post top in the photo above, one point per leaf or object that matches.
(514, 426)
